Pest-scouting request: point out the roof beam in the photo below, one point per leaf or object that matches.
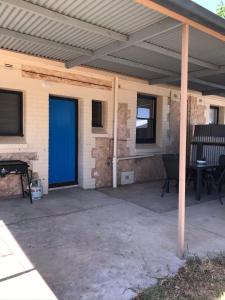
(165, 80)
(213, 92)
(203, 73)
(57, 17)
(176, 76)
(191, 78)
(150, 31)
(44, 42)
(207, 83)
(137, 40)
(151, 4)
(176, 55)
(133, 64)
(196, 74)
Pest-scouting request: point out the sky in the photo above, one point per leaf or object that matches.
(209, 4)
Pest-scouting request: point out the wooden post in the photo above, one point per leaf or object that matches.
(183, 139)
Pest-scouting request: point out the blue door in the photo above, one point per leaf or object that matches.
(62, 141)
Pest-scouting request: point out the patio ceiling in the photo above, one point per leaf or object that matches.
(121, 36)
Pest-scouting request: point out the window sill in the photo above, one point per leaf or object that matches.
(17, 147)
(99, 132)
(142, 149)
(12, 142)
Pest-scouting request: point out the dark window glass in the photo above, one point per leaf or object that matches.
(146, 119)
(11, 113)
(214, 115)
(97, 114)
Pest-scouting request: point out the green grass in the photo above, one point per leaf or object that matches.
(199, 279)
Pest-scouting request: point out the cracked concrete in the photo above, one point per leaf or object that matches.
(101, 245)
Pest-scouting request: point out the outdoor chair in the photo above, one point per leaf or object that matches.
(217, 177)
(171, 164)
(221, 166)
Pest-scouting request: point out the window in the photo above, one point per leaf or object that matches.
(11, 113)
(213, 115)
(97, 114)
(146, 119)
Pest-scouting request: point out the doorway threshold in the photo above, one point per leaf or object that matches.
(63, 187)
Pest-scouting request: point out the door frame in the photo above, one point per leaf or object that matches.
(75, 100)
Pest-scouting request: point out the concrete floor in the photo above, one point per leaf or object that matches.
(100, 245)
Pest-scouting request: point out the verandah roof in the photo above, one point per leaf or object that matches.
(121, 36)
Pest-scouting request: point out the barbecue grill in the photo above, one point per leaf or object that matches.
(17, 167)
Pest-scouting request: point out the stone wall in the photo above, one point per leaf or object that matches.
(10, 185)
(103, 162)
(174, 126)
(145, 169)
(148, 168)
(196, 115)
(196, 112)
(123, 131)
(103, 151)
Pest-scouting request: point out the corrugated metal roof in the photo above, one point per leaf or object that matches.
(170, 40)
(148, 57)
(26, 22)
(122, 17)
(135, 72)
(35, 49)
(201, 45)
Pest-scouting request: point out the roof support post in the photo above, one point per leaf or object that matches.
(183, 139)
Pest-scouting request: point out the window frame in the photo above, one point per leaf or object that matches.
(153, 139)
(101, 125)
(20, 131)
(218, 111)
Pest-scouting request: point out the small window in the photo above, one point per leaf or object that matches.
(11, 113)
(213, 115)
(97, 114)
(146, 119)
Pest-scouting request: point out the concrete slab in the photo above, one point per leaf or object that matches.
(93, 245)
(18, 278)
(148, 195)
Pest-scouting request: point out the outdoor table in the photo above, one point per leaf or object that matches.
(200, 168)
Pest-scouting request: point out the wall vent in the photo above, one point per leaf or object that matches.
(127, 177)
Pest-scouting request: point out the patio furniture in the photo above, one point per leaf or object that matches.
(217, 177)
(201, 171)
(220, 167)
(217, 183)
(16, 167)
(208, 143)
(171, 164)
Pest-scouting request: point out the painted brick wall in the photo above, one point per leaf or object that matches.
(36, 94)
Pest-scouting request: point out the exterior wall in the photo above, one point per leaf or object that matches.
(36, 95)
(197, 111)
(95, 146)
(216, 101)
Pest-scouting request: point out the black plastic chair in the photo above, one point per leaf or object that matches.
(171, 164)
(217, 177)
